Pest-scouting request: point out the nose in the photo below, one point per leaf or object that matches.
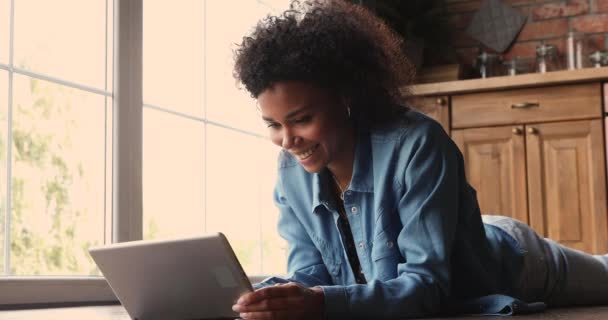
(287, 142)
(289, 139)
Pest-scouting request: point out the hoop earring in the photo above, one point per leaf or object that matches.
(348, 111)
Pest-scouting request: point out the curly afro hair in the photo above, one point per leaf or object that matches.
(340, 47)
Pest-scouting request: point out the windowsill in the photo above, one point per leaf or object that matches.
(50, 290)
(44, 292)
(96, 312)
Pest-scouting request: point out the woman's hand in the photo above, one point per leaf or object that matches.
(282, 301)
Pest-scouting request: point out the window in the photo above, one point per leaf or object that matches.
(4, 30)
(65, 119)
(3, 158)
(57, 178)
(55, 106)
(207, 164)
(173, 119)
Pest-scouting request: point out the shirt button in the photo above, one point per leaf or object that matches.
(389, 244)
(361, 245)
(353, 210)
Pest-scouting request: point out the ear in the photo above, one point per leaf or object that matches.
(345, 101)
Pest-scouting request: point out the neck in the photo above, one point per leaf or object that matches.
(342, 166)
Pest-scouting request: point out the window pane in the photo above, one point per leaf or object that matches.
(5, 15)
(237, 191)
(225, 103)
(173, 180)
(274, 248)
(109, 46)
(62, 38)
(3, 157)
(173, 55)
(57, 209)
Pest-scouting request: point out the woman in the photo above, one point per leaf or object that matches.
(374, 203)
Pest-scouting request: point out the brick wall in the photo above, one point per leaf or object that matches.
(547, 20)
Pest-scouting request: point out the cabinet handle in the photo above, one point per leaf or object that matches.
(524, 105)
(517, 131)
(440, 101)
(532, 130)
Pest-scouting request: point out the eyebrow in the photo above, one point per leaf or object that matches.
(289, 115)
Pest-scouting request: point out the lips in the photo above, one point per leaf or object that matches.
(307, 153)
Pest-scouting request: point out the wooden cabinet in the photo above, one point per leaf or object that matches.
(436, 108)
(495, 163)
(534, 148)
(567, 183)
(537, 154)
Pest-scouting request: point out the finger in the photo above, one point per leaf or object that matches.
(245, 297)
(266, 315)
(266, 293)
(290, 287)
(281, 303)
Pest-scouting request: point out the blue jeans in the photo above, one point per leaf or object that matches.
(553, 273)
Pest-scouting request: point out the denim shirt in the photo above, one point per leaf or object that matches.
(415, 221)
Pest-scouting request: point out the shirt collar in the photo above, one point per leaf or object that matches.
(321, 195)
(363, 175)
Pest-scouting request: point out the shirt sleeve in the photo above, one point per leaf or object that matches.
(428, 209)
(304, 262)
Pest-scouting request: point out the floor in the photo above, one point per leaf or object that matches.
(118, 313)
(586, 313)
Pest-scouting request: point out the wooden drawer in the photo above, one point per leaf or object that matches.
(566, 102)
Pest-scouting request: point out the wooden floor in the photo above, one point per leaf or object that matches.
(586, 313)
(118, 313)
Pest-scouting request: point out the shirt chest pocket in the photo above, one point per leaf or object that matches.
(385, 256)
(333, 265)
(331, 259)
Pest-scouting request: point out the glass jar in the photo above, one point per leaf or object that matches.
(515, 66)
(574, 50)
(488, 64)
(598, 59)
(547, 58)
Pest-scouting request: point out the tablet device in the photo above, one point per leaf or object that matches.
(193, 278)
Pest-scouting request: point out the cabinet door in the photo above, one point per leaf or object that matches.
(567, 183)
(495, 165)
(435, 107)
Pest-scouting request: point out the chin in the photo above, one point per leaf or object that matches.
(313, 169)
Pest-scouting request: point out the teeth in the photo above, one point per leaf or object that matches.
(307, 153)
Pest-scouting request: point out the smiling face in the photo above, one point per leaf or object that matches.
(310, 124)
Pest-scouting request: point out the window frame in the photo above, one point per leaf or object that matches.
(126, 196)
(126, 193)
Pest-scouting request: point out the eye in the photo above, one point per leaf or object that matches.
(303, 120)
(273, 125)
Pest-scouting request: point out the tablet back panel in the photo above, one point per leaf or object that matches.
(193, 278)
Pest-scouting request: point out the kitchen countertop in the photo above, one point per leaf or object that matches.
(510, 82)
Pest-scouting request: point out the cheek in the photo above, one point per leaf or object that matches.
(329, 135)
(276, 138)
